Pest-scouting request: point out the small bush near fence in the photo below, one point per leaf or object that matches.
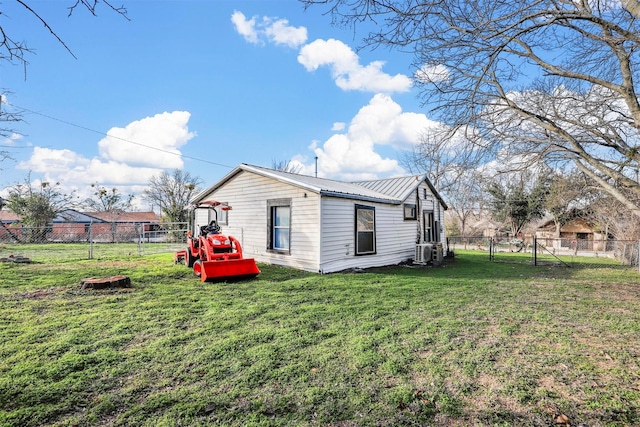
(564, 252)
(86, 241)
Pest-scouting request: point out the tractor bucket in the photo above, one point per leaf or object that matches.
(231, 269)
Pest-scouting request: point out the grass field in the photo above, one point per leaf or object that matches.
(470, 343)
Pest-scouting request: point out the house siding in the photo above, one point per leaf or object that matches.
(395, 236)
(247, 193)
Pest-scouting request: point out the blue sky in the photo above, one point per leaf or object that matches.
(202, 86)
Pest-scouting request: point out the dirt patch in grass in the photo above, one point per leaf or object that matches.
(41, 293)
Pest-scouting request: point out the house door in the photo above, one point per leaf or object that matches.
(429, 226)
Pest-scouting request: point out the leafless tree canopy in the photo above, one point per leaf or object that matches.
(285, 166)
(109, 200)
(542, 80)
(172, 193)
(14, 49)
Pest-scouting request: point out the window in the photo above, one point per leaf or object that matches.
(279, 238)
(365, 230)
(410, 211)
(281, 222)
(223, 216)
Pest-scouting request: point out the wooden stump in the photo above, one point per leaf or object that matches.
(106, 282)
(15, 258)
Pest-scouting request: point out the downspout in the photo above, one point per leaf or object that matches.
(419, 216)
(321, 240)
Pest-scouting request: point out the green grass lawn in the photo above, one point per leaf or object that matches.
(470, 343)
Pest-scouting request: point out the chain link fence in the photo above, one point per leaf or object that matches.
(555, 251)
(90, 241)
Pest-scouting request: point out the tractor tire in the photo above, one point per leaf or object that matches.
(190, 259)
(197, 268)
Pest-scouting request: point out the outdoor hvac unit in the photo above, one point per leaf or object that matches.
(438, 253)
(424, 253)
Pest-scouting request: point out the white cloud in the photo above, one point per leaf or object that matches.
(384, 122)
(12, 139)
(152, 141)
(277, 31)
(346, 69)
(127, 159)
(431, 73)
(352, 155)
(344, 63)
(52, 162)
(280, 32)
(338, 126)
(245, 27)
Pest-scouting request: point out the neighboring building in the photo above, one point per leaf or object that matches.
(8, 217)
(323, 225)
(8, 224)
(108, 226)
(577, 234)
(71, 225)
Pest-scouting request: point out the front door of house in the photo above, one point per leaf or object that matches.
(430, 226)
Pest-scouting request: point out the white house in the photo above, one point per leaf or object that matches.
(325, 226)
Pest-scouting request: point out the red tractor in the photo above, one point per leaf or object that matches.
(215, 256)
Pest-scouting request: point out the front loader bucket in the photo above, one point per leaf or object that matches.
(232, 269)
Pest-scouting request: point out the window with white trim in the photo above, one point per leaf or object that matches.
(279, 225)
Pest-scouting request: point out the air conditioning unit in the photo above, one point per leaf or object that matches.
(438, 253)
(424, 253)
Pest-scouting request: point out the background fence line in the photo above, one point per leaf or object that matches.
(555, 251)
(91, 240)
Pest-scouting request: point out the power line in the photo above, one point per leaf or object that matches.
(184, 156)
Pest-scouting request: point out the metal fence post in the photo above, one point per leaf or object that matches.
(491, 249)
(140, 228)
(535, 250)
(91, 240)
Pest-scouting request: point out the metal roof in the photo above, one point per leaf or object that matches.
(393, 190)
(398, 188)
(401, 187)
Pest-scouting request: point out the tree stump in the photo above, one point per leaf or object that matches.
(106, 282)
(15, 258)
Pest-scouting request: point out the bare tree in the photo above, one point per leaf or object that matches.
(14, 50)
(172, 192)
(286, 166)
(466, 199)
(108, 200)
(552, 81)
(566, 196)
(610, 215)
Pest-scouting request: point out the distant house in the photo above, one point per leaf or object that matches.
(8, 217)
(107, 226)
(325, 226)
(8, 223)
(577, 233)
(71, 225)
